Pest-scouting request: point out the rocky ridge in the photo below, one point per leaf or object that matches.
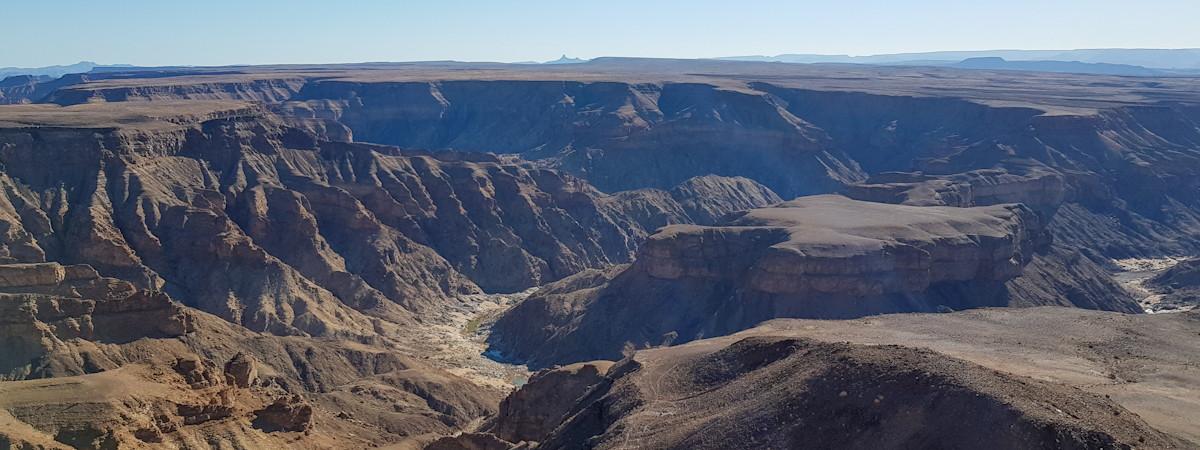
(769, 389)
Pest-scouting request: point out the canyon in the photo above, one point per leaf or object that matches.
(269, 256)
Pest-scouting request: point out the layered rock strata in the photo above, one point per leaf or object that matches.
(45, 307)
(231, 212)
(820, 256)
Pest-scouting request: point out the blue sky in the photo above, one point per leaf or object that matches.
(215, 32)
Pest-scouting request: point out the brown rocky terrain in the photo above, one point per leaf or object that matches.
(48, 308)
(220, 385)
(341, 229)
(1114, 152)
(298, 256)
(103, 364)
(322, 261)
(1113, 155)
(531, 413)
(996, 378)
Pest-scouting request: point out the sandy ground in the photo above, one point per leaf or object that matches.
(456, 341)
(1135, 273)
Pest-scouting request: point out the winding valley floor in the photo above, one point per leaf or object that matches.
(1136, 272)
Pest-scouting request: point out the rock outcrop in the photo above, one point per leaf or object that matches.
(470, 441)
(176, 392)
(241, 371)
(532, 412)
(285, 414)
(45, 306)
(820, 257)
(1036, 186)
(829, 245)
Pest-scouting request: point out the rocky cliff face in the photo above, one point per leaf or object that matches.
(532, 412)
(101, 363)
(20, 89)
(825, 245)
(1036, 186)
(202, 86)
(266, 226)
(821, 256)
(220, 385)
(620, 136)
(47, 306)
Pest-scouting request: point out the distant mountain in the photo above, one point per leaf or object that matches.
(565, 60)
(1186, 59)
(997, 63)
(48, 71)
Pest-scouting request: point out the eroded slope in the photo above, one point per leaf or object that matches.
(770, 390)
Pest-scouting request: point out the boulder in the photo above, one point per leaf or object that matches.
(198, 373)
(241, 371)
(531, 412)
(291, 414)
(470, 441)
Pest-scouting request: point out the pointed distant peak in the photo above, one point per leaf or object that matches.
(566, 60)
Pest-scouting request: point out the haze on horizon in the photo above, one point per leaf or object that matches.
(224, 32)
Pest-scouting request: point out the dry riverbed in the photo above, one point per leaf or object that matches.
(456, 339)
(1137, 271)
